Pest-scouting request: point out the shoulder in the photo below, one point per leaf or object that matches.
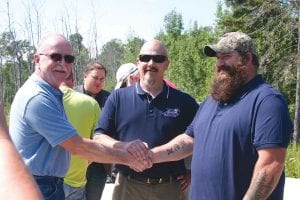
(80, 98)
(180, 95)
(265, 90)
(79, 88)
(105, 93)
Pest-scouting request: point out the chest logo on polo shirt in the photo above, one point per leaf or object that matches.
(171, 112)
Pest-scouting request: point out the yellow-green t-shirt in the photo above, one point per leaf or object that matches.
(83, 112)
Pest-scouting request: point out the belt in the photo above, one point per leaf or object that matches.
(153, 181)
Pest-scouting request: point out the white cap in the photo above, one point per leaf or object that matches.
(123, 72)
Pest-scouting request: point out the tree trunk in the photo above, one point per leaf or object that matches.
(297, 103)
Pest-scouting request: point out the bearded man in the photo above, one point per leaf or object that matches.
(240, 133)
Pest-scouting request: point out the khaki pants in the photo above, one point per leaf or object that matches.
(130, 189)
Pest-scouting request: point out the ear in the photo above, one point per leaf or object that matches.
(248, 58)
(168, 63)
(36, 58)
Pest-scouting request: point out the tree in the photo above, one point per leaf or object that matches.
(296, 134)
(132, 48)
(111, 57)
(12, 52)
(189, 69)
(82, 56)
(173, 24)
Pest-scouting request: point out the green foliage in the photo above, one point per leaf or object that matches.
(292, 162)
(189, 68)
(81, 54)
(173, 24)
(16, 64)
(111, 57)
(132, 49)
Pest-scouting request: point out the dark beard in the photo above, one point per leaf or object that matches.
(225, 89)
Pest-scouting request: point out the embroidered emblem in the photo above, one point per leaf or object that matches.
(171, 112)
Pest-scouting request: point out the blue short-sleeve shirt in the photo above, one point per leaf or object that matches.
(130, 114)
(38, 125)
(227, 137)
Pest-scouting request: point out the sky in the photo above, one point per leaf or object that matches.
(111, 18)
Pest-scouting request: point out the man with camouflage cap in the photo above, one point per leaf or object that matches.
(240, 133)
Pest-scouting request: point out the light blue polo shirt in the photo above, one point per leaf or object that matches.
(38, 124)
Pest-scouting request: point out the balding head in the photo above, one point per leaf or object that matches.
(154, 47)
(53, 40)
(52, 61)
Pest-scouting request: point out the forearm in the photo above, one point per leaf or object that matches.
(94, 150)
(108, 141)
(178, 148)
(265, 178)
(16, 182)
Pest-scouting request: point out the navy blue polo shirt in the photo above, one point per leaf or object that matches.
(130, 114)
(227, 137)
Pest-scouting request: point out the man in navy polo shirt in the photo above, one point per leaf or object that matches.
(155, 113)
(240, 133)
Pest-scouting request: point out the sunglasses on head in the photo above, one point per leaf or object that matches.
(155, 58)
(58, 57)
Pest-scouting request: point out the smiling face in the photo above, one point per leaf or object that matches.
(151, 72)
(51, 71)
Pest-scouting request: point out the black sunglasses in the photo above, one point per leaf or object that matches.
(58, 57)
(155, 58)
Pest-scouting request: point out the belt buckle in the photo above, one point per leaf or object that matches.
(160, 180)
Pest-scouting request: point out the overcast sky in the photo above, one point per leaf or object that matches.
(115, 18)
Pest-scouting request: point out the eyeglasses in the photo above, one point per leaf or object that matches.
(155, 58)
(58, 57)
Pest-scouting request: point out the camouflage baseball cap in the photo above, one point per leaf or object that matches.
(232, 41)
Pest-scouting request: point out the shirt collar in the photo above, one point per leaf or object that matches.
(253, 83)
(43, 84)
(164, 93)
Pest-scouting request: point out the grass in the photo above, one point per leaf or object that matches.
(292, 162)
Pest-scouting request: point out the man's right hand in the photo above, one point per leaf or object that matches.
(139, 158)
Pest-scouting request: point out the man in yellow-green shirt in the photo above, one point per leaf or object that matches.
(83, 112)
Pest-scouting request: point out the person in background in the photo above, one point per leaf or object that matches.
(93, 83)
(40, 129)
(155, 113)
(240, 133)
(83, 112)
(15, 180)
(127, 75)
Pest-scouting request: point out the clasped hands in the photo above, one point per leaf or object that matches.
(140, 157)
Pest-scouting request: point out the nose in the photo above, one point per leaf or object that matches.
(151, 62)
(220, 63)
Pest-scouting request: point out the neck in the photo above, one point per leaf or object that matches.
(152, 89)
(90, 93)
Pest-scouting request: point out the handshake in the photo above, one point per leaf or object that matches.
(137, 155)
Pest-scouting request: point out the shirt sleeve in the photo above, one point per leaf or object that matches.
(106, 122)
(48, 119)
(273, 126)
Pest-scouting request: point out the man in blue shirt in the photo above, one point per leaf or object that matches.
(39, 127)
(154, 113)
(240, 133)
